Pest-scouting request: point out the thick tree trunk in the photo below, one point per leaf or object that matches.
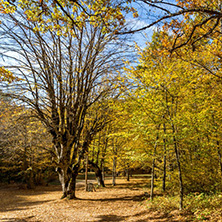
(68, 182)
(30, 179)
(72, 187)
(66, 170)
(98, 173)
(100, 178)
(64, 180)
(68, 151)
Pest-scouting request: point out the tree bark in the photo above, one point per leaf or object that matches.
(64, 180)
(67, 179)
(98, 173)
(219, 156)
(127, 173)
(103, 170)
(30, 179)
(153, 166)
(164, 159)
(179, 167)
(114, 172)
(71, 192)
(86, 173)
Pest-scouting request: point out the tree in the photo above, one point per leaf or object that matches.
(190, 21)
(23, 146)
(174, 102)
(67, 79)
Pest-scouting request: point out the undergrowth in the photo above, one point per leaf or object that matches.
(197, 206)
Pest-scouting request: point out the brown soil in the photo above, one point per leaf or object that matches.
(124, 202)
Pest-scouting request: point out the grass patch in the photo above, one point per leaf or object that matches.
(204, 206)
(165, 204)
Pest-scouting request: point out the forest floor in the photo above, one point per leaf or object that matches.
(124, 202)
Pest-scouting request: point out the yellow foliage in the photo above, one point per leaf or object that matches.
(7, 76)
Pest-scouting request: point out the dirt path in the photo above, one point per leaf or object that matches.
(121, 203)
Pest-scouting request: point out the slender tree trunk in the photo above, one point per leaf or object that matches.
(179, 167)
(127, 173)
(25, 165)
(219, 156)
(152, 179)
(28, 172)
(114, 164)
(173, 113)
(103, 170)
(86, 173)
(98, 152)
(114, 171)
(153, 166)
(104, 148)
(93, 151)
(164, 159)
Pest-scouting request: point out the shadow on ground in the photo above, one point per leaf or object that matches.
(14, 199)
(25, 219)
(130, 185)
(20, 204)
(125, 198)
(112, 217)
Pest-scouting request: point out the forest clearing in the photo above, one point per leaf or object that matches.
(111, 88)
(127, 201)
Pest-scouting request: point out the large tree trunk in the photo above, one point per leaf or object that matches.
(30, 179)
(98, 173)
(64, 180)
(68, 181)
(72, 187)
(66, 170)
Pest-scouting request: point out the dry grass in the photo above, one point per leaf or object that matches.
(124, 202)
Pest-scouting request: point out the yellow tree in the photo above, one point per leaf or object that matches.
(24, 145)
(164, 86)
